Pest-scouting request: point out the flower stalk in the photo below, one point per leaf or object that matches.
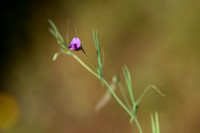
(131, 109)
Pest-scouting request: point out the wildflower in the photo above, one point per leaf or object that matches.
(75, 44)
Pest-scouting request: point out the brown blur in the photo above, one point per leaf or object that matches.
(158, 40)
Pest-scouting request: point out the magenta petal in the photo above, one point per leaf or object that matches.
(73, 41)
(70, 47)
(73, 47)
(75, 44)
(76, 41)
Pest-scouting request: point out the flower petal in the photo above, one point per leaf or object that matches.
(73, 41)
(78, 42)
(73, 47)
(75, 44)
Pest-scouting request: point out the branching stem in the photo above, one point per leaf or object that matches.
(105, 82)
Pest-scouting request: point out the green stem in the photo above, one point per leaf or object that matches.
(105, 82)
(84, 65)
(116, 97)
(90, 61)
(138, 125)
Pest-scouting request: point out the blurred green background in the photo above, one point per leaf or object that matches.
(159, 40)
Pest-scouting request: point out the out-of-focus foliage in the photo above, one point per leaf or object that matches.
(9, 111)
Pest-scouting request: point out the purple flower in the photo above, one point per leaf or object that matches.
(75, 44)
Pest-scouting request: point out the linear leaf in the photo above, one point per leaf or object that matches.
(55, 56)
(157, 123)
(57, 34)
(146, 90)
(97, 46)
(128, 83)
(153, 124)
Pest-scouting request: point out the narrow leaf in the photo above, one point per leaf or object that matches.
(103, 56)
(57, 34)
(157, 90)
(128, 83)
(146, 90)
(157, 123)
(55, 56)
(153, 124)
(97, 46)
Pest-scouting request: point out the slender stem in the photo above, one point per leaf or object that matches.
(116, 97)
(138, 125)
(90, 61)
(84, 65)
(105, 82)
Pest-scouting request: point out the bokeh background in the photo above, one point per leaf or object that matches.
(159, 40)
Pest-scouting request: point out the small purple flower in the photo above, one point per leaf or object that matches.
(75, 44)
